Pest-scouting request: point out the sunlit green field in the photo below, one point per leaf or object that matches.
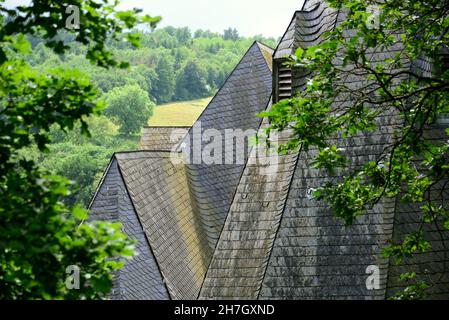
(178, 114)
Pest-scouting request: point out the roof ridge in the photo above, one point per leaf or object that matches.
(267, 53)
(165, 153)
(269, 104)
(168, 205)
(166, 127)
(264, 45)
(285, 33)
(279, 224)
(100, 183)
(315, 6)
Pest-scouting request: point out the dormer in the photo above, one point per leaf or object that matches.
(305, 30)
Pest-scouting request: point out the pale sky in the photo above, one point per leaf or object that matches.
(250, 17)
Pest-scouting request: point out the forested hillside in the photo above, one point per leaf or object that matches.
(172, 64)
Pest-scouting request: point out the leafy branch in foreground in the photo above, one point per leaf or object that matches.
(39, 236)
(411, 168)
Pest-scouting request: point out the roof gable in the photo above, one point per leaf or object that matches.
(140, 278)
(159, 192)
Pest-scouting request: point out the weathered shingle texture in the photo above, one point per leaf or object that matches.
(433, 265)
(181, 208)
(160, 194)
(306, 28)
(297, 249)
(239, 262)
(315, 256)
(140, 278)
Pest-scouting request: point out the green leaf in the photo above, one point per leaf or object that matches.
(22, 45)
(446, 224)
(299, 53)
(80, 213)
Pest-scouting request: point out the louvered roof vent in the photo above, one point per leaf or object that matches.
(283, 81)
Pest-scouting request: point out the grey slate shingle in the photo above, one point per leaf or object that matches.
(313, 254)
(306, 28)
(432, 266)
(161, 192)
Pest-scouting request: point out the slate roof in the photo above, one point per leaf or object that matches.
(314, 255)
(159, 191)
(432, 266)
(162, 138)
(246, 231)
(294, 248)
(240, 258)
(267, 53)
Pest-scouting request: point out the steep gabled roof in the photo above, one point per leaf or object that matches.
(147, 192)
(267, 53)
(160, 194)
(242, 231)
(280, 243)
(176, 205)
(314, 254)
(140, 278)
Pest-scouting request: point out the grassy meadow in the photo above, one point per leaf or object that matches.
(179, 113)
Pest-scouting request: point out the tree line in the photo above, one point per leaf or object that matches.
(171, 64)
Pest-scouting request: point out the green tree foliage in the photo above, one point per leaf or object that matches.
(184, 35)
(82, 159)
(174, 48)
(130, 107)
(164, 89)
(157, 64)
(192, 82)
(205, 34)
(40, 236)
(231, 34)
(411, 166)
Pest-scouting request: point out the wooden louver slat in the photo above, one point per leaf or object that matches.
(284, 83)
